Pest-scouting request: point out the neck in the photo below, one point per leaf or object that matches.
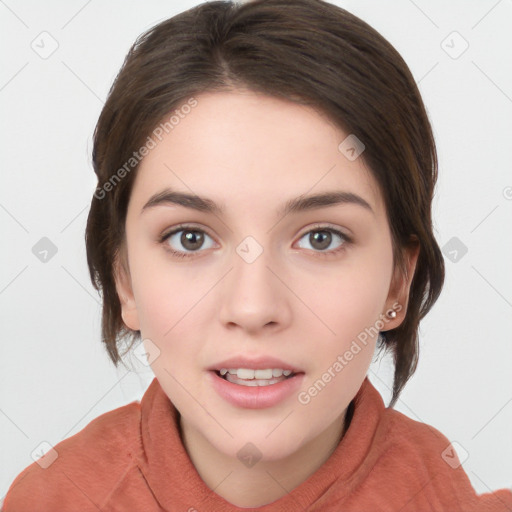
(268, 480)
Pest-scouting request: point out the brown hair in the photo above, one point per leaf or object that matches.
(307, 51)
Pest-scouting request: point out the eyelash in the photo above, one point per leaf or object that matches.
(180, 254)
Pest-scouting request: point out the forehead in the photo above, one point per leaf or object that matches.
(246, 149)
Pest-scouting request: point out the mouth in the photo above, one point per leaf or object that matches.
(252, 378)
(250, 388)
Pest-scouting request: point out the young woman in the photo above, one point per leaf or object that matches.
(262, 224)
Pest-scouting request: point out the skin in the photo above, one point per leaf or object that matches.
(303, 304)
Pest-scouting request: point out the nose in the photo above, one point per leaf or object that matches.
(254, 295)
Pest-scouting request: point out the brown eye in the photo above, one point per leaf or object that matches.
(321, 239)
(185, 241)
(192, 240)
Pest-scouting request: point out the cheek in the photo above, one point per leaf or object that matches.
(348, 298)
(158, 292)
(166, 311)
(168, 298)
(349, 304)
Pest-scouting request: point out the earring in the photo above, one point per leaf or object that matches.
(391, 314)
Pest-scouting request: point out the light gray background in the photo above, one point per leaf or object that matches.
(56, 376)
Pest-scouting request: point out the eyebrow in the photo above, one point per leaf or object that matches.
(298, 204)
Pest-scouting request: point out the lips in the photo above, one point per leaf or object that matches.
(250, 396)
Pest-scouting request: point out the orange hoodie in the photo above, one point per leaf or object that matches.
(132, 459)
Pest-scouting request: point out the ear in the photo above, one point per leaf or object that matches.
(398, 297)
(124, 290)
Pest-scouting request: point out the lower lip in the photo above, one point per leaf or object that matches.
(255, 397)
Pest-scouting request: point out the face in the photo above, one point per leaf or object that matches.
(249, 279)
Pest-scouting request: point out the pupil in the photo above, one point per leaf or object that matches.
(192, 239)
(323, 237)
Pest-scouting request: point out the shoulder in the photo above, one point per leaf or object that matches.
(81, 471)
(430, 462)
(418, 437)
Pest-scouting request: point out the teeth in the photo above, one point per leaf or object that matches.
(253, 382)
(248, 374)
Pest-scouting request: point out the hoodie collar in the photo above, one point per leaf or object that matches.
(177, 485)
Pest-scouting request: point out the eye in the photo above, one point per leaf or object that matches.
(190, 238)
(323, 237)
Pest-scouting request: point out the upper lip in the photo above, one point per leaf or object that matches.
(255, 363)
